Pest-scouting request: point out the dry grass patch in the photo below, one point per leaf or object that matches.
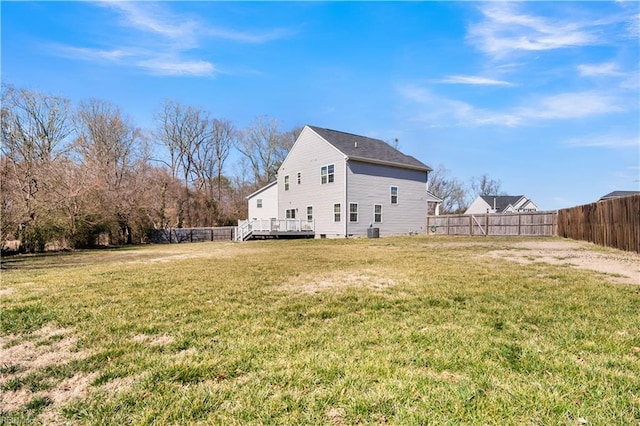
(618, 266)
(159, 340)
(336, 281)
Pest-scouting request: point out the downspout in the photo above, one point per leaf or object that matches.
(346, 199)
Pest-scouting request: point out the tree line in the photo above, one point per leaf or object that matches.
(87, 175)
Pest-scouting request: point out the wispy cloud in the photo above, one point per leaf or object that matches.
(162, 42)
(611, 140)
(441, 111)
(570, 106)
(505, 29)
(474, 80)
(603, 69)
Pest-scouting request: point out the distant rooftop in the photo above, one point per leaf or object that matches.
(618, 194)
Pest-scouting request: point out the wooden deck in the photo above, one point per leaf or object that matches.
(274, 228)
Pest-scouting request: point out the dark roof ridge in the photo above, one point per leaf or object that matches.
(372, 150)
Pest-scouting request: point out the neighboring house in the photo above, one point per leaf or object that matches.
(263, 204)
(618, 194)
(501, 204)
(345, 184)
(433, 204)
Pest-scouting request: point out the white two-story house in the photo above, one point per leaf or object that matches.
(344, 184)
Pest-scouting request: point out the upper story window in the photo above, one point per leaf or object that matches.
(394, 195)
(286, 183)
(259, 203)
(327, 174)
(299, 178)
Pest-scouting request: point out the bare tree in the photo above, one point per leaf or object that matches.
(483, 185)
(35, 128)
(223, 135)
(108, 145)
(265, 147)
(449, 189)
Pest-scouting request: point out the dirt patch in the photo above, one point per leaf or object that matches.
(338, 280)
(47, 347)
(6, 292)
(335, 415)
(618, 266)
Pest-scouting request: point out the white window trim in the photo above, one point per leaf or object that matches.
(356, 213)
(286, 183)
(309, 207)
(339, 212)
(327, 175)
(259, 203)
(391, 195)
(374, 213)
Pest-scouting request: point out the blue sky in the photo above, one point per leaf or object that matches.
(541, 96)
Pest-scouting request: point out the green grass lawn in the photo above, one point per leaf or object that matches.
(406, 331)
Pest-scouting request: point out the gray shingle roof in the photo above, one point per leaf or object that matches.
(617, 194)
(501, 201)
(362, 148)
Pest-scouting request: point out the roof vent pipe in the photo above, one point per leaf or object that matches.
(355, 144)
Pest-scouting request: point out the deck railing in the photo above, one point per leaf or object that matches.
(272, 226)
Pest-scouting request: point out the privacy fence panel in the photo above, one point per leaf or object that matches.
(192, 235)
(612, 223)
(510, 224)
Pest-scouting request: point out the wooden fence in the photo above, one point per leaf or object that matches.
(612, 223)
(192, 235)
(509, 224)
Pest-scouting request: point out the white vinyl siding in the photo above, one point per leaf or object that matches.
(369, 185)
(307, 156)
(269, 203)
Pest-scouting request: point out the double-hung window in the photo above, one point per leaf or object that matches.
(259, 203)
(394, 195)
(353, 212)
(286, 183)
(309, 213)
(377, 213)
(337, 212)
(327, 174)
